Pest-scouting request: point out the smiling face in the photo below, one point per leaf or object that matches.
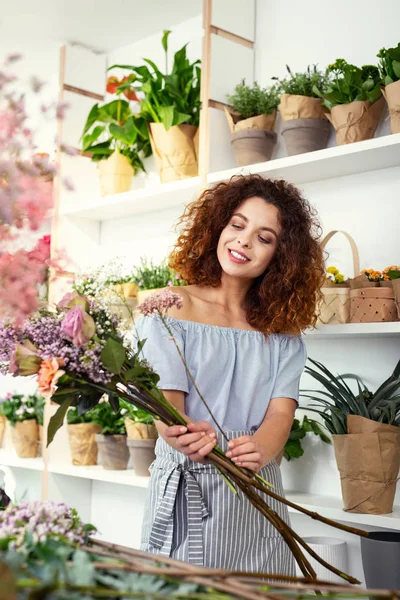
(248, 243)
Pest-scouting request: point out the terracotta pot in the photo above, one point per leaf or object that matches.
(175, 151)
(253, 146)
(116, 174)
(113, 451)
(2, 428)
(305, 135)
(140, 431)
(25, 438)
(83, 444)
(142, 455)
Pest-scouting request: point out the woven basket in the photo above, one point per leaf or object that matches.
(334, 307)
(372, 305)
(396, 290)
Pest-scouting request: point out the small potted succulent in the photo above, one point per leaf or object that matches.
(151, 277)
(252, 122)
(20, 412)
(389, 66)
(170, 105)
(354, 97)
(142, 437)
(305, 127)
(81, 435)
(111, 442)
(293, 448)
(117, 138)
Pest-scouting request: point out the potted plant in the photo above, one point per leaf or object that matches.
(393, 273)
(81, 435)
(334, 306)
(293, 448)
(19, 410)
(142, 437)
(372, 298)
(252, 122)
(354, 97)
(150, 278)
(111, 442)
(170, 104)
(389, 67)
(366, 435)
(117, 139)
(305, 127)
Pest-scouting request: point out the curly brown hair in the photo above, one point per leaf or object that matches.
(284, 298)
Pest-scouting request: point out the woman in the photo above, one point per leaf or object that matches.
(249, 251)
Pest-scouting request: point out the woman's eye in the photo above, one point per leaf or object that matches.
(264, 241)
(236, 226)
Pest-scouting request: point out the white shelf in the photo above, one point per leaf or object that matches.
(139, 201)
(349, 330)
(332, 508)
(339, 161)
(370, 155)
(97, 473)
(10, 459)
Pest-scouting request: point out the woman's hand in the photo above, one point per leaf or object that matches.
(196, 440)
(246, 452)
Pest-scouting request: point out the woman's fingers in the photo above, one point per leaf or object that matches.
(201, 426)
(254, 457)
(188, 438)
(244, 448)
(175, 431)
(250, 465)
(202, 452)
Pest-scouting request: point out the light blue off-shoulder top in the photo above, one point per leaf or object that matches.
(237, 371)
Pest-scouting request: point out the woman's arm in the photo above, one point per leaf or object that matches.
(196, 440)
(254, 452)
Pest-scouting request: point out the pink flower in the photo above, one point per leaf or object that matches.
(49, 374)
(41, 252)
(73, 299)
(160, 302)
(78, 326)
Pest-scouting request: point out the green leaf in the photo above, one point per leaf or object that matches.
(57, 419)
(125, 133)
(396, 68)
(164, 39)
(92, 137)
(113, 356)
(293, 449)
(170, 116)
(92, 118)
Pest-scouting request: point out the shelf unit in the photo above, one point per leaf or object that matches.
(354, 330)
(339, 161)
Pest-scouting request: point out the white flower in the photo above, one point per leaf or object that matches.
(30, 410)
(124, 411)
(20, 411)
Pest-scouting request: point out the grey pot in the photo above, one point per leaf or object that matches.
(380, 553)
(305, 135)
(142, 455)
(113, 451)
(253, 146)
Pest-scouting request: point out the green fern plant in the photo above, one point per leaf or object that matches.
(337, 400)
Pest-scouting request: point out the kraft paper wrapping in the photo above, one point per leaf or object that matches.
(175, 151)
(356, 121)
(140, 431)
(115, 174)
(372, 305)
(301, 107)
(392, 95)
(362, 281)
(264, 122)
(25, 438)
(83, 444)
(126, 290)
(368, 459)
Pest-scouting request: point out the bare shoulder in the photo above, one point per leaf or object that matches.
(186, 310)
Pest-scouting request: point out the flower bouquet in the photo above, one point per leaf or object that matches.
(78, 354)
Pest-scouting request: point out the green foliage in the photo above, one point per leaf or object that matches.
(293, 448)
(137, 415)
(389, 64)
(75, 418)
(338, 400)
(149, 276)
(168, 98)
(350, 83)
(252, 101)
(22, 407)
(114, 127)
(111, 422)
(302, 84)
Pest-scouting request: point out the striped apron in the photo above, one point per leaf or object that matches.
(192, 515)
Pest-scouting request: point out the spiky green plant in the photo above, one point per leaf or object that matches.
(338, 400)
(253, 100)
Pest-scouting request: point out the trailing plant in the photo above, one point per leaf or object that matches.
(302, 84)
(349, 83)
(337, 399)
(114, 127)
(150, 276)
(21, 407)
(168, 98)
(252, 101)
(293, 447)
(389, 64)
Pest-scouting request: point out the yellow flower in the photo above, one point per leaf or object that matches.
(332, 270)
(339, 278)
(392, 268)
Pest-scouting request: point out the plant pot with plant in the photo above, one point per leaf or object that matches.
(366, 435)
(81, 435)
(151, 277)
(354, 97)
(293, 448)
(142, 437)
(305, 127)
(252, 122)
(117, 138)
(170, 104)
(111, 442)
(372, 298)
(19, 410)
(389, 66)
